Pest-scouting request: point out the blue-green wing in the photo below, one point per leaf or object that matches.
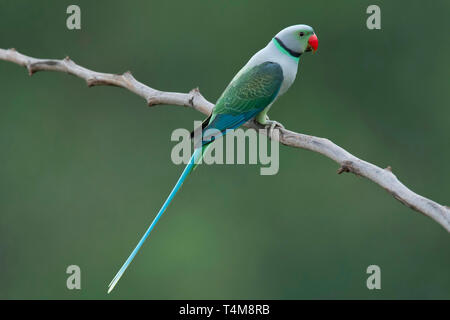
(246, 96)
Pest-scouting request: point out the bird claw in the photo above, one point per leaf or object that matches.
(271, 125)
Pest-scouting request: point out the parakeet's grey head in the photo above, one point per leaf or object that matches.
(297, 39)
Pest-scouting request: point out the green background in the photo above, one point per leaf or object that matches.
(84, 171)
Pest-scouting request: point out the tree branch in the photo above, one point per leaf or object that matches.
(348, 162)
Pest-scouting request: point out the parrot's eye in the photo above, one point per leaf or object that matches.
(301, 34)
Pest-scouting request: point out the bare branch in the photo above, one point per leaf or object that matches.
(348, 162)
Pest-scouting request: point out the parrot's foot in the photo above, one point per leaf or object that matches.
(271, 125)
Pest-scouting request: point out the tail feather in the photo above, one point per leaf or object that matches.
(198, 154)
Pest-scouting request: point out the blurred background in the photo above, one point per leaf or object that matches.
(84, 171)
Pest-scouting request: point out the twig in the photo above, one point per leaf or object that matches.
(348, 162)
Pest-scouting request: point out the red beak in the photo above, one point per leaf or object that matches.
(313, 42)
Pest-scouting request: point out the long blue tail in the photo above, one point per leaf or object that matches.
(192, 164)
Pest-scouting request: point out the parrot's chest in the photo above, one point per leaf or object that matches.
(289, 74)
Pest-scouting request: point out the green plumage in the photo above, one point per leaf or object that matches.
(246, 96)
(255, 88)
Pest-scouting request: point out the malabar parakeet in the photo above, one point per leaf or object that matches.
(267, 75)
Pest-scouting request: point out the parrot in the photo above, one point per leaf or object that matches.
(249, 96)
